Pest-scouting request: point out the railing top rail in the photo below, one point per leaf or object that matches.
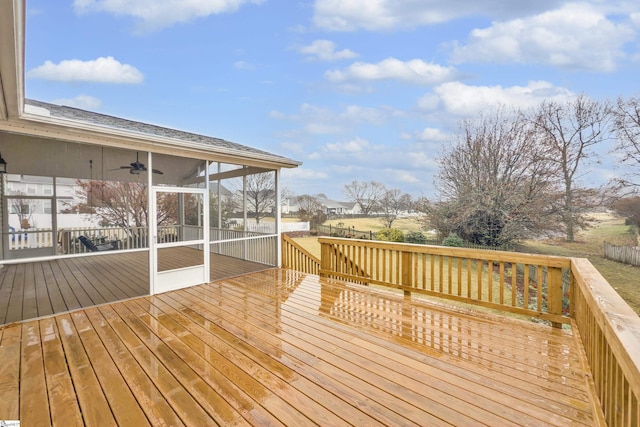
(618, 321)
(477, 254)
(300, 248)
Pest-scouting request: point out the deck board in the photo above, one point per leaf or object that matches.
(62, 399)
(283, 348)
(35, 289)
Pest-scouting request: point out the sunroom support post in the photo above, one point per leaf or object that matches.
(219, 199)
(4, 218)
(54, 217)
(152, 238)
(278, 219)
(244, 215)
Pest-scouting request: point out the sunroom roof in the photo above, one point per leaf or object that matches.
(144, 129)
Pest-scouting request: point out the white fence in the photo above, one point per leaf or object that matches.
(270, 227)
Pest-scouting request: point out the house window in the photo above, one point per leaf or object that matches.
(47, 190)
(31, 189)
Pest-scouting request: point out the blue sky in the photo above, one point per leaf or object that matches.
(355, 89)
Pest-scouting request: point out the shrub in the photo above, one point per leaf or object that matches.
(453, 240)
(415, 237)
(390, 235)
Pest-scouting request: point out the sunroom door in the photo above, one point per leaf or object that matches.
(180, 234)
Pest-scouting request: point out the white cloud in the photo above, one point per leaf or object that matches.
(406, 176)
(244, 66)
(432, 134)
(464, 100)
(376, 15)
(101, 70)
(357, 145)
(320, 120)
(414, 71)
(325, 50)
(157, 14)
(576, 36)
(303, 173)
(84, 102)
(423, 160)
(354, 146)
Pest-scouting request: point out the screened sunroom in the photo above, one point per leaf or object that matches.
(160, 208)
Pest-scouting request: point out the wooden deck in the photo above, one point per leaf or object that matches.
(35, 289)
(279, 347)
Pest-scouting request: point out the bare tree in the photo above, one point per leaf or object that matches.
(627, 130)
(366, 195)
(569, 132)
(227, 207)
(260, 193)
(493, 184)
(23, 208)
(392, 203)
(122, 203)
(310, 209)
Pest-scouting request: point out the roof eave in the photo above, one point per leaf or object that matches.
(12, 24)
(75, 131)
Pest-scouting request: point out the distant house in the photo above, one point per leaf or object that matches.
(333, 207)
(289, 206)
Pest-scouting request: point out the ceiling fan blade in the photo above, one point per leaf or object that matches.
(136, 167)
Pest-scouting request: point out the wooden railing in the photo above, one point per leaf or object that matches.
(561, 290)
(531, 285)
(298, 258)
(610, 333)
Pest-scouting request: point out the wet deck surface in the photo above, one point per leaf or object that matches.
(280, 347)
(35, 289)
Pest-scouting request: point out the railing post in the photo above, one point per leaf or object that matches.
(554, 303)
(325, 260)
(407, 271)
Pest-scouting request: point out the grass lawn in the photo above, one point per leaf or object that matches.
(311, 244)
(624, 278)
(375, 224)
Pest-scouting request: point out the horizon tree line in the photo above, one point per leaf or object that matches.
(516, 173)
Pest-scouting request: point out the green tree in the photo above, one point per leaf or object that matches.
(390, 235)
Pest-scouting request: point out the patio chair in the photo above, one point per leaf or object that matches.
(88, 243)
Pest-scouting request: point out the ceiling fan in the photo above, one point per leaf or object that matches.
(136, 167)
